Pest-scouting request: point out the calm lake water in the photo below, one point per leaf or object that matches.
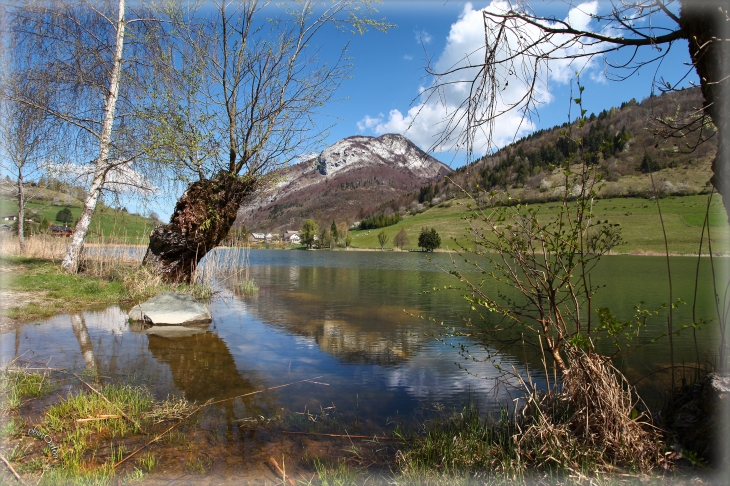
(351, 320)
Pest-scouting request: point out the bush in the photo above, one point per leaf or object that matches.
(429, 239)
(64, 216)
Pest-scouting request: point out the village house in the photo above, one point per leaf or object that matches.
(291, 237)
(61, 230)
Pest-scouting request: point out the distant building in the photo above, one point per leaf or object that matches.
(258, 237)
(10, 218)
(61, 230)
(291, 237)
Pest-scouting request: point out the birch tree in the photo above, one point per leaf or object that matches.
(78, 50)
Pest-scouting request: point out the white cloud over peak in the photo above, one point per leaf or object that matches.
(461, 57)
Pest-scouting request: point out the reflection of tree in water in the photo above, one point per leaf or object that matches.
(78, 324)
(341, 310)
(203, 368)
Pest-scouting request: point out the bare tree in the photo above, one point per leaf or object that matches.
(77, 49)
(520, 47)
(25, 133)
(238, 90)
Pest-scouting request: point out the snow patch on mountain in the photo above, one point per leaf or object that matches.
(392, 149)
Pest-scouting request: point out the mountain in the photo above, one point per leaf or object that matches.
(625, 144)
(345, 183)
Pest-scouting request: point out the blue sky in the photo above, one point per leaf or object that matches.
(383, 93)
(389, 71)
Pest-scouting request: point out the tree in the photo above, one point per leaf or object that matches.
(520, 47)
(234, 96)
(382, 239)
(334, 232)
(401, 239)
(648, 164)
(325, 238)
(64, 216)
(25, 131)
(78, 51)
(429, 239)
(308, 233)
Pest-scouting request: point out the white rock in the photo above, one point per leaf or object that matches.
(171, 309)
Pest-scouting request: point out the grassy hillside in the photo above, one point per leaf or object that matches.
(107, 224)
(638, 217)
(623, 144)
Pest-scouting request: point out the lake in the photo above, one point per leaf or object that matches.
(349, 321)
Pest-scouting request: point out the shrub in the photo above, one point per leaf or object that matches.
(429, 239)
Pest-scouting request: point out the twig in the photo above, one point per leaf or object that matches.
(107, 401)
(262, 391)
(347, 436)
(273, 464)
(206, 404)
(12, 470)
(100, 417)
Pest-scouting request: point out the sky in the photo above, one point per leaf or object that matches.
(385, 90)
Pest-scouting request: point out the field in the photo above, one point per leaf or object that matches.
(638, 217)
(107, 225)
(639, 220)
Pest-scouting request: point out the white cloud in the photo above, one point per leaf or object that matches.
(407, 57)
(121, 179)
(423, 37)
(424, 122)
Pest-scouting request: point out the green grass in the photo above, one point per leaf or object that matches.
(52, 291)
(106, 224)
(56, 290)
(15, 384)
(639, 220)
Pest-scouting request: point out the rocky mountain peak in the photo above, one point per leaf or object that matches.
(389, 149)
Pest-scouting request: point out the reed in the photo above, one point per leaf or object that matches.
(589, 429)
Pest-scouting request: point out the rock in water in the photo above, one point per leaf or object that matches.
(700, 418)
(171, 309)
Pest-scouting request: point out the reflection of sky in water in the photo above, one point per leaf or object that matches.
(335, 315)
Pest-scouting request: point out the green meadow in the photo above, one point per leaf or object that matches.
(107, 225)
(641, 227)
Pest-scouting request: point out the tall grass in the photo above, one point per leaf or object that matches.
(591, 427)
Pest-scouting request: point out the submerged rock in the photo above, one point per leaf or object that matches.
(700, 418)
(171, 309)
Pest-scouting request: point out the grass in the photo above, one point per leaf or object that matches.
(107, 277)
(17, 383)
(248, 287)
(639, 220)
(84, 451)
(106, 224)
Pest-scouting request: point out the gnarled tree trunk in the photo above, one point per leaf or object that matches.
(202, 218)
(707, 28)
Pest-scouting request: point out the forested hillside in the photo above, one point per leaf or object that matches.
(624, 144)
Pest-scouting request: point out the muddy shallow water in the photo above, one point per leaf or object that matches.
(348, 322)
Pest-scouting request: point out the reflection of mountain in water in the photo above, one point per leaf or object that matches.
(341, 310)
(202, 366)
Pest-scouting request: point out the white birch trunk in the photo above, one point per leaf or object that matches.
(71, 261)
(21, 212)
